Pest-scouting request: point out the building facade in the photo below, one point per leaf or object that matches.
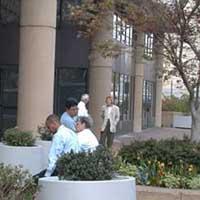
(43, 61)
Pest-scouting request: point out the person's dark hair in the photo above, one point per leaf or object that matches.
(51, 119)
(71, 102)
(86, 120)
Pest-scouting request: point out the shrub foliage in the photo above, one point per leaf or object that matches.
(44, 133)
(167, 163)
(16, 184)
(97, 165)
(15, 137)
(171, 152)
(176, 104)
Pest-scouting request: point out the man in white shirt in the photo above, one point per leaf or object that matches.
(87, 140)
(64, 141)
(82, 110)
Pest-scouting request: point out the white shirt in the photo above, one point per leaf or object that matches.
(87, 140)
(82, 110)
(64, 141)
(109, 112)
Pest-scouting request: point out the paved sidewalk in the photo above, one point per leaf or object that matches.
(155, 133)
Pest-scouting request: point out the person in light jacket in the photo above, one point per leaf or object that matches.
(111, 116)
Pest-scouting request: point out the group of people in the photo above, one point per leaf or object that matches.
(72, 132)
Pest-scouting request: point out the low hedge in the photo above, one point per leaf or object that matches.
(15, 137)
(96, 165)
(171, 152)
(167, 163)
(16, 184)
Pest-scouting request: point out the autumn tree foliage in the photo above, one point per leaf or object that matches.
(177, 30)
(175, 25)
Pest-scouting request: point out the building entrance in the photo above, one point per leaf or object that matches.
(8, 96)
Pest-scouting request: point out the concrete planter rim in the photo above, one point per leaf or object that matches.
(24, 147)
(43, 141)
(28, 157)
(115, 179)
(119, 188)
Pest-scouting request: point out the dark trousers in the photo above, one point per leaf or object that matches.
(41, 175)
(107, 137)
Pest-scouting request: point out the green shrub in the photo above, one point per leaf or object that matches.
(150, 173)
(194, 183)
(127, 170)
(176, 104)
(45, 133)
(15, 137)
(175, 154)
(168, 163)
(16, 184)
(170, 181)
(97, 165)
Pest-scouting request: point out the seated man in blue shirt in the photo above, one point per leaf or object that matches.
(64, 141)
(68, 118)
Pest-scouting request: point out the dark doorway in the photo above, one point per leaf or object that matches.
(69, 82)
(8, 96)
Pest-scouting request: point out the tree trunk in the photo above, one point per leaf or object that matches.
(195, 130)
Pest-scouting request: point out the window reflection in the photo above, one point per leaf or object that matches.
(148, 102)
(8, 96)
(122, 94)
(122, 31)
(70, 82)
(148, 45)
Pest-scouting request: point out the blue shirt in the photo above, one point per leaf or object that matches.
(68, 121)
(64, 141)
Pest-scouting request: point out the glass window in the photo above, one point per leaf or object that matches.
(9, 11)
(8, 96)
(122, 31)
(71, 75)
(147, 92)
(122, 94)
(69, 82)
(148, 104)
(148, 45)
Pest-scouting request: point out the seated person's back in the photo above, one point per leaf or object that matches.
(64, 141)
(87, 140)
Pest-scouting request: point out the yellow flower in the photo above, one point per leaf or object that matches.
(149, 162)
(189, 169)
(191, 166)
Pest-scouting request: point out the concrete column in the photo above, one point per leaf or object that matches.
(138, 83)
(100, 74)
(36, 62)
(158, 103)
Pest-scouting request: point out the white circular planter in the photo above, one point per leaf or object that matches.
(121, 188)
(29, 157)
(46, 145)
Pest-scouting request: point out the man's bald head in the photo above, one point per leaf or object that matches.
(52, 123)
